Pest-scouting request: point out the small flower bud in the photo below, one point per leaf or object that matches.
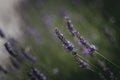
(10, 50)
(68, 46)
(37, 73)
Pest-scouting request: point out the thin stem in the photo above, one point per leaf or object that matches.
(107, 59)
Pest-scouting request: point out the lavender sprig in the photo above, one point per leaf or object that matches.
(75, 33)
(27, 56)
(19, 54)
(81, 63)
(31, 76)
(10, 49)
(70, 26)
(66, 44)
(37, 73)
(69, 46)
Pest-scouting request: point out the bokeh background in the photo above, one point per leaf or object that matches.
(92, 18)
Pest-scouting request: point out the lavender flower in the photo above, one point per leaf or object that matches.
(12, 41)
(81, 63)
(69, 46)
(74, 32)
(66, 44)
(85, 51)
(31, 76)
(70, 26)
(39, 75)
(27, 56)
(10, 49)
(20, 57)
(60, 35)
(92, 48)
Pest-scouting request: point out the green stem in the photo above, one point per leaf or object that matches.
(107, 59)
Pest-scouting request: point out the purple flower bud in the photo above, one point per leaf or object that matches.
(32, 59)
(83, 41)
(81, 63)
(59, 34)
(31, 76)
(20, 57)
(88, 50)
(92, 47)
(70, 26)
(43, 77)
(12, 41)
(37, 73)
(27, 56)
(68, 46)
(85, 51)
(10, 50)
(73, 32)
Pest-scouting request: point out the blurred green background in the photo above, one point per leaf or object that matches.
(90, 17)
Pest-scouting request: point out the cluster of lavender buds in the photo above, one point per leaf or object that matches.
(70, 47)
(10, 47)
(81, 63)
(31, 76)
(66, 44)
(90, 48)
(87, 48)
(18, 57)
(35, 74)
(19, 54)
